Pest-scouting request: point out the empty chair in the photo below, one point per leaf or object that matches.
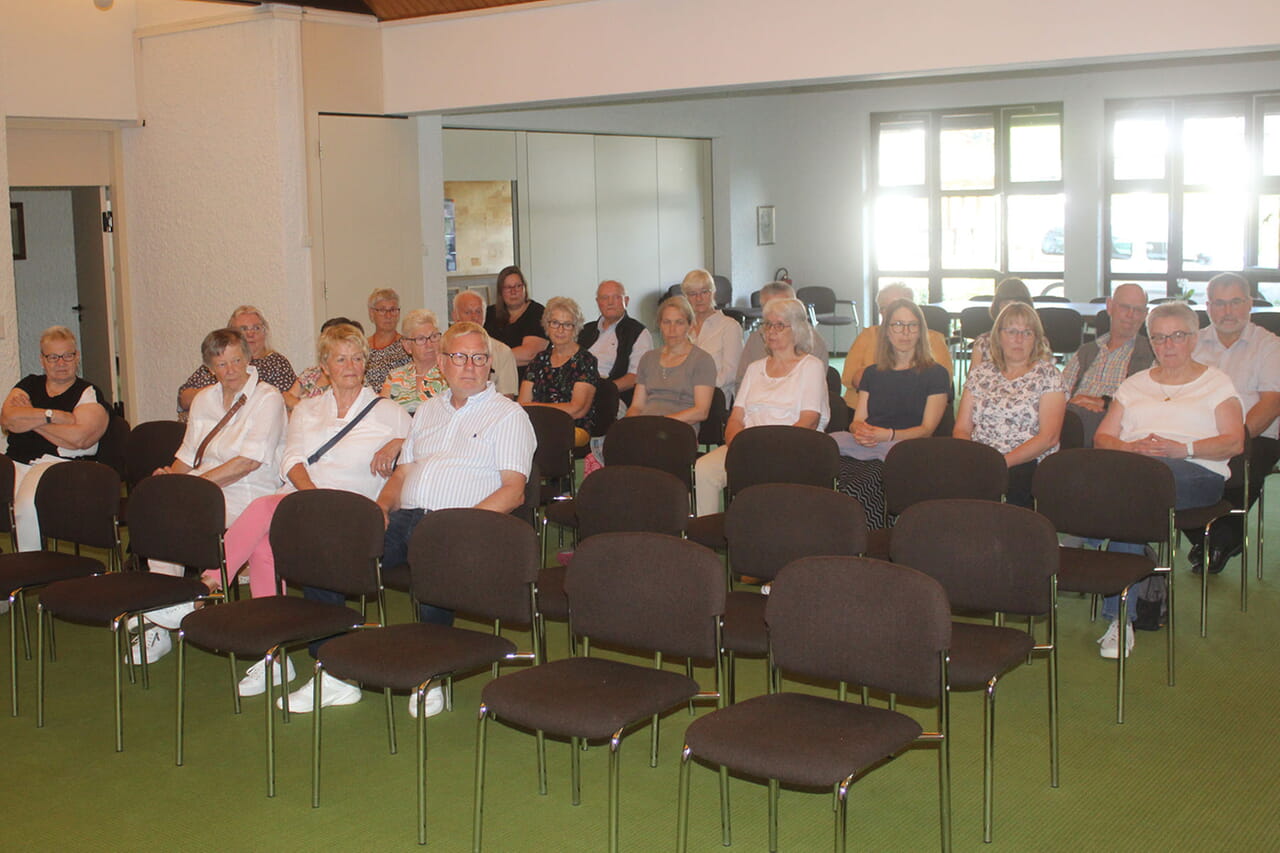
(711, 431)
(822, 304)
(553, 429)
(1063, 327)
(655, 442)
(990, 558)
(112, 447)
(1204, 517)
(937, 319)
(150, 445)
(639, 591)
(841, 620)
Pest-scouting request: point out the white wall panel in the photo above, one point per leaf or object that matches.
(684, 207)
(562, 217)
(627, 242)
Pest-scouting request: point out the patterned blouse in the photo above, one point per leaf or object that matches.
(1006, 412)
(555, 384)
(380, 362)
(407, 388)
(309, 382)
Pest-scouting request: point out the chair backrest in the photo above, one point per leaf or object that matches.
(770, 524)
(937, 319)
(781, 454)
(1064, 328)
(711, 431)
(835, 385)
(1105, 494)
(654, 442)
(1049, 297)
(822, 299)
(724, 290)
(112, 447)
(987, 556)
(1072, 435)
(527, 511)
(554, 432)
(975, 320)
(631, 498)
(178, 518)
(922, 469)
(475, 561)
(605, 404)
(947, 423)
(78, 501)
(1102, 322)
(1269, 320)
(329, 539)
(755, 299)
(151, 445)
(647, 591)
(841, 414)
(860, 621)
(7, 476)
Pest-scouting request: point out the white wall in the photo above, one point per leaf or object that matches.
(46, 280)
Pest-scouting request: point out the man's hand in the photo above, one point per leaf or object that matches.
(1084, 401)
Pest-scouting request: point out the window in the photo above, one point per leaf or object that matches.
(963, 198)
(1193, 189)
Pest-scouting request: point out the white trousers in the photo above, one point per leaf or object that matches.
(709, 480)
(26, 478)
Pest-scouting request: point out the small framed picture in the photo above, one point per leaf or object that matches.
(764, 225)
(18, 231)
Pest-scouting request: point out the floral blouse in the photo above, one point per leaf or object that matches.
(309, 382)
(407, 388)
(1007, 412)
(555, 384)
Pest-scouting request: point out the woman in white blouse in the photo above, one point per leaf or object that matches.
(713, 331)
(789, 388)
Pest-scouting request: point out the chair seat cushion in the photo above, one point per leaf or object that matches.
(403, 656)
(251, 628)
(552, 602)
(585, 697)
(98, 600)
(563, 513)
(981, 652)
(396, 577)
(800, 739)
(1189, 519)
(707, 530)
(1100, 572)
(744, 627)
(32, 568)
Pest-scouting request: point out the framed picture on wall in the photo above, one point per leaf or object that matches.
(18, 231)
(764, 225)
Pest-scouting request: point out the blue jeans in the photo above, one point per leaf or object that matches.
(1194, 486)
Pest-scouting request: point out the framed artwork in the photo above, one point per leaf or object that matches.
(18, 231)
(764, 225)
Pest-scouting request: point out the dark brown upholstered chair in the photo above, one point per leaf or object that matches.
(112, 446)
(472, 561)
(1204, 517)
(321, 538)
(176, 518)
(1109, 494)
(554, 457)
(933, 468)
(990, 558)
(845, 620)
(1063, 328)
(638, 591)
(768, 526)
(937, 319)
(617, 499)
(770, 454)
(77, 503)
(149, 446)
(711, 431)
(7, 477)
(654, 442)
(1072, 435)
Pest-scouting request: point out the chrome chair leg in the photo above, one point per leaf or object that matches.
(615, 780)
(540, 747)
(180, 704)
(988, 756)
(271, 723)
(477, 807)
(391, 720)
(13, 657)
(317, 711)
(39, 666)
(682, 803)
(1120, 654)
(725, 828)
(842, 814)
(774, 791)
(119, 650)
(419, 696)
(235, 686)
(575, 771)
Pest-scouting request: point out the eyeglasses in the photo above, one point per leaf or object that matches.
(1228, 303)
(1176, 337)
(386, 310)
(900, 327)
(256, 329)
(459, 359)
(1017, 333)
(54, 358)
(703, 292)
(420, 340)
(557, 324)
(775, 327)
(512, 288)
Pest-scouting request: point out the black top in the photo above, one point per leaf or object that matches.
(26, 447)
(896, 398)
(529, 324)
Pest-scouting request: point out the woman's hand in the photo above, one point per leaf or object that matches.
(868, 435)
(1158, 445)
(384, 461)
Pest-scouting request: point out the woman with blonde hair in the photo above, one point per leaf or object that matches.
(678, 379)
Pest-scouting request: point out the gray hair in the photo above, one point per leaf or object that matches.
(1228, 279)
(381, 294)
(568, 306)
(794, 313)
(695, 278)
(1177, 311)
(216, 343)
(776, 290)
(899, 288)
(469, 294)
(418, 317)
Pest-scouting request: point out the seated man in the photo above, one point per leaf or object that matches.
(754, 349)
(863, 351)
(1096, 370)
(616, 340)
(468, 447)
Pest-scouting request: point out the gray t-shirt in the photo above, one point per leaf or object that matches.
(670, 389)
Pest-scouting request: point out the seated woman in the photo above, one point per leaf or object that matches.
(677, 380)
(386, 349)
(1009, 290)
(564, 375)
(233, 439)
(516, 320)
(272, 367)
(312, 382)
(1185, 414)
(902, 395)
(420, 379)
(1015, 400)
(788, 387)
(714, 331)
(49, 419)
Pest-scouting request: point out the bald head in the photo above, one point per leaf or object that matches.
(468, 307)
(1127, 308)
(611, 299)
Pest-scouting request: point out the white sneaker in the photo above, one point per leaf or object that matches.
(171, 617)
(333, 691)
(1109, 643)
(432, 703)
(254, 682)
(159, 644)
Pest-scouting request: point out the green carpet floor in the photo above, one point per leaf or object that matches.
(1193, 768)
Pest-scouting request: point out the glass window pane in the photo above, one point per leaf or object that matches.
(1140, 145)
(901, 155)
(1213, 231)
(1271, 144)
(1270, 291)
(1213, 151)
(968, 158)
(919, 286)
(970, 232)
(967, 288)
(902, 233)
(1035, 152)
(1269, 231)
(1139, 232)
(1035, 232)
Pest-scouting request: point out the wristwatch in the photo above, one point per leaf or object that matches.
(48, 416)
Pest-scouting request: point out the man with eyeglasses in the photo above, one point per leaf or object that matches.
(1250, 355)
(617, 340)
(468, 307)
(1095, 371)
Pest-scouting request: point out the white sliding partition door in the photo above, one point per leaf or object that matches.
(627, 243)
